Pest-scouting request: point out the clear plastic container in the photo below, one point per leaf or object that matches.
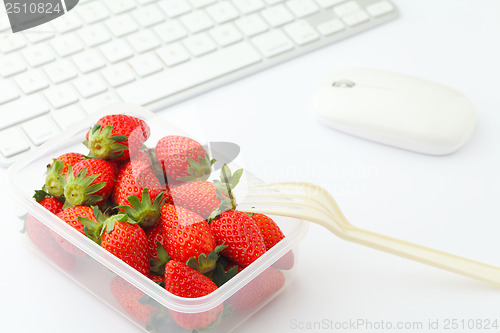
(123, 288)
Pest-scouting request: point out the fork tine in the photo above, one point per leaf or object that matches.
(306, 192)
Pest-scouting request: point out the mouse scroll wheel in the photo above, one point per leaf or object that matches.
(343, 84)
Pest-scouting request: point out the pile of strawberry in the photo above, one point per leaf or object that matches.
(155, 209)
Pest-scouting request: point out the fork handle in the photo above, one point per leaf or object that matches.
(432, 257)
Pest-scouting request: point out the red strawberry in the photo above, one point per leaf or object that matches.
(70, 159)
(129, 298)
(41, 236)
(155, 236)
(197, 196)
(134, 179)
(122, 237)
(52, 204)
(128, 242)
(186, 233)
(117, 136)
(90, 182)
(258, 290)
(59, 167)
(70, 216)
(241, 235)
(272, 234)
(182, 159)
(184, 281)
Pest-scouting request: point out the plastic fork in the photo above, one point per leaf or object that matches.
(312, 203)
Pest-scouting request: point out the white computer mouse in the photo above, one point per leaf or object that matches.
(395, 109)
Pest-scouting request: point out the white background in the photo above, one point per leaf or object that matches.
(448, 203)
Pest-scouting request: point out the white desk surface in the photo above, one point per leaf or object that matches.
(448, 203)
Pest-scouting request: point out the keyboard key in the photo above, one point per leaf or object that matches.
(301, 32)
(143, 41)
(66, 45)
(37, 36)
(22, 109)
(273, 43)
(116, 50)
(67, 22)
(170, 31)
(121, 25)
(40, 129)
(148, 15)
(60, 71)
(196, 21)
(10, 42)
(251, 25)
(201, 3)
(12, 142)
(225, 34)
(222, 12)
(38, 55)
(31, 81)
(88, 61)
(330, 27)
(328, 3)
(11, 64)
(118, 75)
(174, 8)
(120, 6)
(8, 92)
(380, 8)
(94, 34)
(356, 18)
(61, 95)
(199, 44)
(277, 15)
(93, 11)
(249, 6)
(90, 85)
(176, 79)
(346, 8)
(302, 8)
(146, 64)
(68, 116)
(173, 54)
(91, 105)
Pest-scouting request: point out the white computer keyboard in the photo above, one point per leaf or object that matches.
(153, 53)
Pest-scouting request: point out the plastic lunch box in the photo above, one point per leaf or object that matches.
(96, 270)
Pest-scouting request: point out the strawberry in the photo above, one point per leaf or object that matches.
(258, 290)
(241, 235)
(90, 182)
(52, 204)
(186, 233)
(117, 136)
(129, 298)
(269, 230)
(59, 166)
(182, 159)
(122, 237)
(41, 236)
(184, 281)
(272, 234)
(70, 216)
(197, 196)
(70, 159)
(139, 193)
(155, 236)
